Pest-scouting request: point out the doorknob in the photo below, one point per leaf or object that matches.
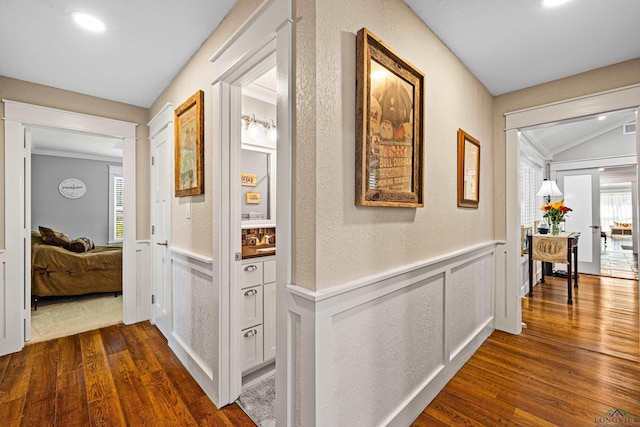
(166, 243)
(594, 226)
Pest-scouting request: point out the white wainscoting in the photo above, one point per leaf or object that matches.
(195, 318)
(376, 351)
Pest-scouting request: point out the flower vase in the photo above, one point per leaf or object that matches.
(555, 228)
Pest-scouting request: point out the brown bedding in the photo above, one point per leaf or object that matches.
(56, 271)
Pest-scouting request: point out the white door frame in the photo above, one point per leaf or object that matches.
(19, 116)
(267, 31)
(616, 99)
(161, 122)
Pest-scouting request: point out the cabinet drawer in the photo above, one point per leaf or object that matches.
(251, 306)
(251, 274)
(269, 271)
(252, 347)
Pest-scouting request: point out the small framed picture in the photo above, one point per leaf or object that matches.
(468, 170)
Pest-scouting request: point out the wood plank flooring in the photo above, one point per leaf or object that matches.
(570, 367)
(115, 376)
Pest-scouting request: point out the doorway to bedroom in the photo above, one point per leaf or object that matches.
(77, 189)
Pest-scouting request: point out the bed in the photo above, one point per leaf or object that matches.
(56, 271)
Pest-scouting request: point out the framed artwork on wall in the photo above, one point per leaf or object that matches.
(468, 170)
(189, 146)
(389, 126)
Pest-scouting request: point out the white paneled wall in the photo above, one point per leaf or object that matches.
(195, 319)
(377, 350)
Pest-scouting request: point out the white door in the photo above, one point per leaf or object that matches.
(581, 189)
(27, 235)
(161, 183)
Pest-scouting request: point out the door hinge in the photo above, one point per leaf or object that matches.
(153, 299)
(153, 160)
(153, 229)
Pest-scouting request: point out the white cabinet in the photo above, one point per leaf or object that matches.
(258, 302)
(269, 324)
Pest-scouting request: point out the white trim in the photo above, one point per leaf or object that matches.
(593, 163)
(616, 99)
(268, 30)
(19, 115)
(183, 253)
(82, 156)
(315, 314)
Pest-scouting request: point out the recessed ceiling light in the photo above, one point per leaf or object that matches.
(602, 117)
(552, 3)
(88, 22)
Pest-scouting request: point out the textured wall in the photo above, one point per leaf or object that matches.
(31, 93)
(599, 80)
(335, 241)
(196, 234)
(86, 216)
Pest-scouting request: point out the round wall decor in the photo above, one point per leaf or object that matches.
(72, 188)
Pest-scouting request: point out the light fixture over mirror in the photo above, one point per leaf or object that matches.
(251, 124)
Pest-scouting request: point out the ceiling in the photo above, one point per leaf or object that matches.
(507, 44)
(65, 143)
(513, 44)
(144, 46)
(554, 138)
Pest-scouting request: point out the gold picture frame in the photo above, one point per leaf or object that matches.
(468, 170)
(189, 146)
(389, 126)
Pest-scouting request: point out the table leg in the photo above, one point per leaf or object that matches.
(531, 263)
(569, 280)
(575, 265)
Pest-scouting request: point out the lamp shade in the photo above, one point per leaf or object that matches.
(549, 188)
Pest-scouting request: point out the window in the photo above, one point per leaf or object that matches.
(116, 204)
(615, 206)
(530, 182)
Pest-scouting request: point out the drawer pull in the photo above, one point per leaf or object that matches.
(251, 267)
(250, 333)
(250, 293)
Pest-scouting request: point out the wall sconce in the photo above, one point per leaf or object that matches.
(272, 132)
(251, 124)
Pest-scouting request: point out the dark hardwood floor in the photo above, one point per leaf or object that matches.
(115, 376)
(571, 366)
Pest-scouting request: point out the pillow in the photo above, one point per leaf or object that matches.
(81, 244)
(53, 237)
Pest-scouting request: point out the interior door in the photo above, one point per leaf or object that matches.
(581, 189)
(161, 177)
(27, 235)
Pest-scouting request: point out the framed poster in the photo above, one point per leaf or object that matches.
(389, 126)
(468, 170)
(189, 146)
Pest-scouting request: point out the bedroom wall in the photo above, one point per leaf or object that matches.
(32, 93)
(87, 216)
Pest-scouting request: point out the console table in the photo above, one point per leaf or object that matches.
(561, 249)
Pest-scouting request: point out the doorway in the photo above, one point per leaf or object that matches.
(18, 118)
(77, 188)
